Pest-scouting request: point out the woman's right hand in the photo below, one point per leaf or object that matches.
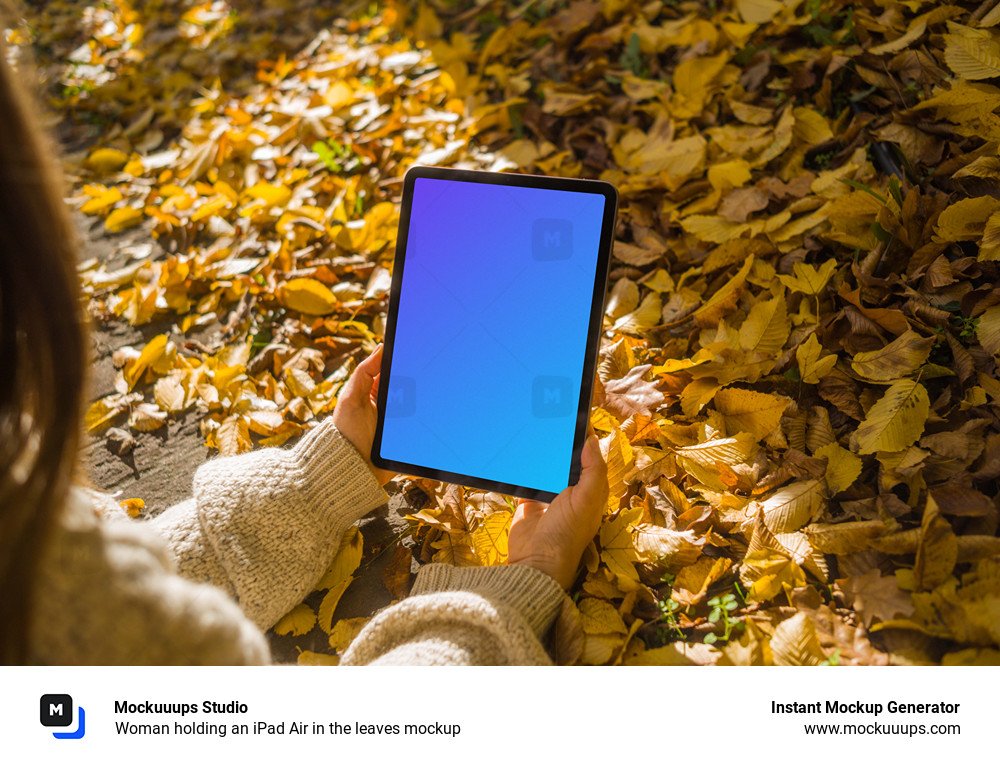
(552, 538)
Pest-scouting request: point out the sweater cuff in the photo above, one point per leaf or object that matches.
(326, 458)
(535, 595)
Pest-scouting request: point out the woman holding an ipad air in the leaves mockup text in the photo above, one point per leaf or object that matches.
(82, 583)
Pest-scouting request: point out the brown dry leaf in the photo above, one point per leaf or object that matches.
(297, 622)
(396, 574)
(632, 394)
(896, 360)
(937, 550)
(795, 642)
(750, 411)
(877, 598)
(693, 581)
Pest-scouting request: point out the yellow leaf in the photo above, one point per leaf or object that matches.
(766, 328)
(170, 394)
(297, 622)
(808, 279)
(758, 11)
(133, 506)
(264, 422)
(345, 631)
(103, 412)
(843, 467)
(750, 411)
(617, 549)
(914, 33)
(971, 53)
(274, 195)
(989, 247)
(346, 561)
(316, 658)
(813, 365)
(844, 538)
(896, 360)
(792, 507)
(233, 436)
(811, 127)
(455, 548)
(647, 315)
(937, 551)
(692, 582)
(490, 538)
(618, 455)
(707, 314)
(310, 296)
(598, 616)
(988, 330)
(599, 648)
(965, 220)
(691, 79)
(895, 421)
(157, 355)
(329, 604)
(677, 158)
(677, 653)
(147, 417)
(795, 642)
(714, 228)
(731, 451)
(100, 204)
(103, 161)
(668, 547)
(122, 218)
(771, 572)
(732, 174)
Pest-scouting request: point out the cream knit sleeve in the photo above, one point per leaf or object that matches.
(464, 616)
(265, 525)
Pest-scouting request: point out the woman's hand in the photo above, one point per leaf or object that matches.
(553, 539)
(354, 416)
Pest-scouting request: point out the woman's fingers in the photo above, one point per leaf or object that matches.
(359, 386)
(528, 508)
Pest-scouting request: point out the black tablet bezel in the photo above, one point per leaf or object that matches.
(593, 333)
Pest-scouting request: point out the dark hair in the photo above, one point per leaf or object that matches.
(42, 355)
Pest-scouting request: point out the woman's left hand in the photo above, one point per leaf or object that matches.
(355, 415)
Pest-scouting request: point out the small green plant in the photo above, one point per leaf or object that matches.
(671, 628)
(833, 659)
(337, 157)
(722, 608)
(967, 327)
(631, 57)
(670, 608)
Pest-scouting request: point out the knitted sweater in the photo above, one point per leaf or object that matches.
(198, 584)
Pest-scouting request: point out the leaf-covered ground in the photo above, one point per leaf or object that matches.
(798, 395)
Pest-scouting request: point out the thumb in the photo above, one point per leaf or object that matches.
(593, 472)
(359, 385)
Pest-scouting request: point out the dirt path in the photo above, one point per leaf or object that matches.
(161, 466)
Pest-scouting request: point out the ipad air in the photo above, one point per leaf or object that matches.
(493, 326)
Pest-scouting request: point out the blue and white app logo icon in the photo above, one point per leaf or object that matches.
(56, 710)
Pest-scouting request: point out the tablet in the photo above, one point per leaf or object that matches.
(492, 332)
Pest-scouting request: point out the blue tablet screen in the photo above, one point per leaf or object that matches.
(491, 330)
